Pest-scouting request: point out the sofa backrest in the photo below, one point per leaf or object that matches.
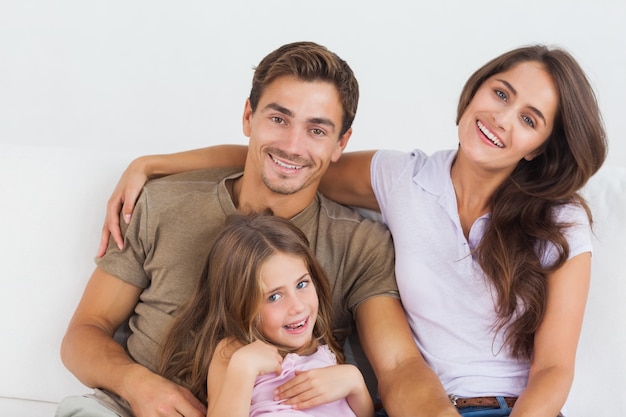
(50, 220)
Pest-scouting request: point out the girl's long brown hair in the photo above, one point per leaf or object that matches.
(522, 220)
(229, 298)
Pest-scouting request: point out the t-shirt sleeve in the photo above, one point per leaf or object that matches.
(372, 261)
(128, 264)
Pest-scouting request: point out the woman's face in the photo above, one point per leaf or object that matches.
(509, 118)
(290, 306)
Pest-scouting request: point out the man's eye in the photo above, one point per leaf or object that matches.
(278, 120)
(317, 132)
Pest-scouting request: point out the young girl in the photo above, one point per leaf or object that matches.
(492, 239)
(261, 314)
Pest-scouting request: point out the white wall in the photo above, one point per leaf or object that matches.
(144, 76)
(150, 76)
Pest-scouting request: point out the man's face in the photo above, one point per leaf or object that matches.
(294, 134)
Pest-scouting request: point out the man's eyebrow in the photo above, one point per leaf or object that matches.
(314, 120)
(532, 108)
(322, 121)
(279, 108)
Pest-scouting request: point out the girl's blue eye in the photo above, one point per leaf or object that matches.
(302, 284)
(273, 297)
(501, 94)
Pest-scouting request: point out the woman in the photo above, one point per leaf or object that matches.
(493, 244)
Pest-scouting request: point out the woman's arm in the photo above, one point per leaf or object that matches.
(142, 169)
(556, 340)
(346, 181)
(232, 374)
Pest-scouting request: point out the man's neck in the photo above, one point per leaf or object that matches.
(252, 197)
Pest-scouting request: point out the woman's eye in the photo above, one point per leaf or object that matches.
(501, 94)
(302, 284)
(528, 121)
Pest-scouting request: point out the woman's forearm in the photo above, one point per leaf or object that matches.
(219, 156)
(545, 393)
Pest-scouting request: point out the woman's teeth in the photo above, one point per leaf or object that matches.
(490, 135)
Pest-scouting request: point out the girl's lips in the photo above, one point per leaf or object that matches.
(298, 326)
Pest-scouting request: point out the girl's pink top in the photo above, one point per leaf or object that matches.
(263, 403)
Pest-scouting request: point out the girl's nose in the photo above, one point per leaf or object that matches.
(296, 305)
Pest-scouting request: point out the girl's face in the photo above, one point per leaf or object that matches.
(290, 308)
(509, 118)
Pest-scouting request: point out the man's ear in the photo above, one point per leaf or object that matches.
(341, 145)
(246, 119)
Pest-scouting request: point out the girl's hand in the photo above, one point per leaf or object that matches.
(322, 385)
(260, 357)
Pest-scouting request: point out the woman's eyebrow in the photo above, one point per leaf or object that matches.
(532, 108)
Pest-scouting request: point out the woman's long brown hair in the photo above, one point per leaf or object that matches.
(522, 222)
(229, 298)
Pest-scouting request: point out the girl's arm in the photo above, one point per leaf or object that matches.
(552, 367)
(232, 374)
(359, 398)
(346, 181)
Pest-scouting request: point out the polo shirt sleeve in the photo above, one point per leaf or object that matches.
(578, 233)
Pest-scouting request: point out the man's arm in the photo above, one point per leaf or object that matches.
(407, 385)
(89, 351)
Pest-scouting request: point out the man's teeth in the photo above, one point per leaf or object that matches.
(490, 135)
(296, 325)
(284, 165)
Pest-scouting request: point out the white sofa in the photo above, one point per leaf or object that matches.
(50, 224)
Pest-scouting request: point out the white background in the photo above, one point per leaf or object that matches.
(85, 86)
(160, 76)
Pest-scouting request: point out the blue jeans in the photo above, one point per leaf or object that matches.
(502, 411)
(470, 412)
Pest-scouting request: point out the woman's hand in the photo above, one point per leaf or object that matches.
(122, 201)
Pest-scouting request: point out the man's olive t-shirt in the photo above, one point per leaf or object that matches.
(177, 219)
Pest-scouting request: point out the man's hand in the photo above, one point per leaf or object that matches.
(155, 396)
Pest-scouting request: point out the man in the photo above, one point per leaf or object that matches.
(298, 119)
